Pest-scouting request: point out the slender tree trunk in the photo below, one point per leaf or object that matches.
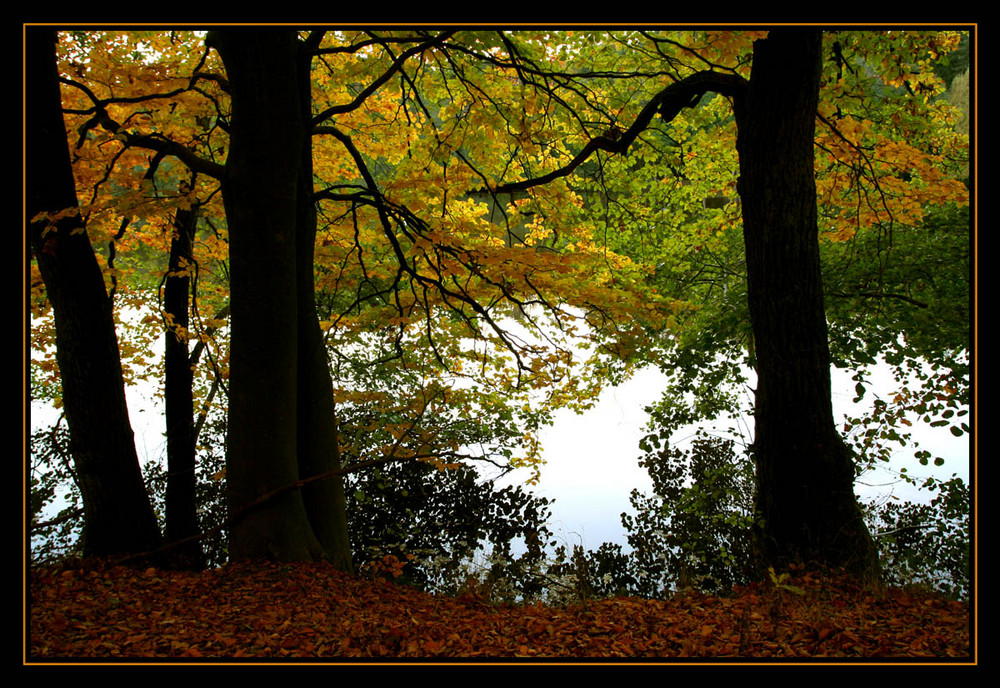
(181, 503)
(118, 517)
(260, 195)
(319, 448)
(805, 472)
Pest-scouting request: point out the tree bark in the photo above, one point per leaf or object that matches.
(805, 472)
(318, 438)
(118, 517)
(260, 189)
(181, 502)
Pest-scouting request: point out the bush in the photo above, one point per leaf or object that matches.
(927, 545)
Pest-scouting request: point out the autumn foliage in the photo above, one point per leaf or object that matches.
(312, 611)
(493, 226)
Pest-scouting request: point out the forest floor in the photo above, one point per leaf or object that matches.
(264, 612)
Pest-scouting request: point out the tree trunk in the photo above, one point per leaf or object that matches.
(259, 192)
(805, 472)
(118, 517)
(319, 448)
(181, 503)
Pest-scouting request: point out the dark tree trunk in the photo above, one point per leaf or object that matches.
(319, 449)
(118, 517)
(259, 191)
(805, 472)
(181, 503)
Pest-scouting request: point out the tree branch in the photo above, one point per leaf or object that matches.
(396, 65)
(876, 295)
(668, 103)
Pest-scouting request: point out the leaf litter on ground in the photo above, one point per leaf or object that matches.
(265, 611)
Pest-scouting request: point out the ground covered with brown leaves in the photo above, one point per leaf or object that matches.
(311, 611)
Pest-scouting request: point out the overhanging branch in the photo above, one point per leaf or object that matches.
(668, 103)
